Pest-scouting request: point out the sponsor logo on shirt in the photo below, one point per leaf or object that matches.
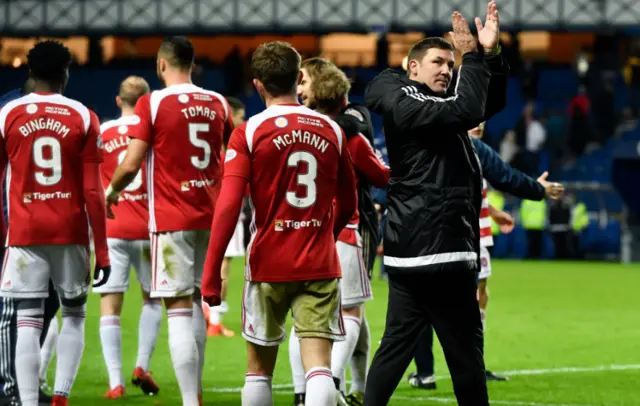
(38, 196)
(186, 185)
(132, 198)
(280, 225)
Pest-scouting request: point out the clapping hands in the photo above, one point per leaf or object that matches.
(488, 34)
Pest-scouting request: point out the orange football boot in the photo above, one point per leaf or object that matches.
(144, 381)
(115, 393)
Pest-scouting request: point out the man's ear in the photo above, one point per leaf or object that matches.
(119, 102)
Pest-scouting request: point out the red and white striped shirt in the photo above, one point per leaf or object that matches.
(486, 237)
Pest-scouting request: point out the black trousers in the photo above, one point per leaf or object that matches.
(423, 356)
(447, 301)
(535, 239)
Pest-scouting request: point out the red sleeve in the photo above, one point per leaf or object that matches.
(3, 165)
(228, 123)
(347, 195)
(367, 163)
(92, 151)
(143, 130)
(96, 210)
(236, 174)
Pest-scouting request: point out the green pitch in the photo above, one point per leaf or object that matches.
(567, 333)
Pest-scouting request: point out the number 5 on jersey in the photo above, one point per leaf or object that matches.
(194, 129)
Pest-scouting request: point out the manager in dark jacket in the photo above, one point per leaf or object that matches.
(432, 239)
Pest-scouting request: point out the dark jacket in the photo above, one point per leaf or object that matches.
(355, 119)
(505, 178)
(435, 192)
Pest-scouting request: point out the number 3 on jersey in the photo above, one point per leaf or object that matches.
(307, 180)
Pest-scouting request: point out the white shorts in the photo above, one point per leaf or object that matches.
(26, 271)
(355, 286)
(314, 305)
(485, 263)
(123, 255)
(177, 262)
(236, 245)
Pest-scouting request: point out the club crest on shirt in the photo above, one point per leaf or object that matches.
(278, 225)
(183, 98)
(281, 122)
(32, 108)
(123, 129)
(27, 198)
(184, 186)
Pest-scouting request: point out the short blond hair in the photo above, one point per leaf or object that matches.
(330, 88)
(133, 88)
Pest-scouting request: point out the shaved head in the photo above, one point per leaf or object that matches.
(131, 89)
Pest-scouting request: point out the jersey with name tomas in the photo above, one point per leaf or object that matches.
(184, 126)
(291, 156)
(132, 212)
(47, 138)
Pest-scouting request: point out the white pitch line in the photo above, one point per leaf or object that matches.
(565, 370)
(494, 402)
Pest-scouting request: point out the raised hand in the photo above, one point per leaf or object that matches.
(462, 38)
(488, 35)
(552, 190)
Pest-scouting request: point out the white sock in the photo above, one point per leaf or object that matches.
(70, 348)
(48, 348)
(257, 391)
(360, 358)
(321, 390)
(28, 357)
(111, 339)
(148, 330)
(200, 335)
(297, 370)
(483, 317)
(343, 350)
(184, 353)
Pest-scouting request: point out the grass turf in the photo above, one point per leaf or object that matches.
(542, 317)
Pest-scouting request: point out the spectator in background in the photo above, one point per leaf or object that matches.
(604, 111)
(580, 132)
(509, 147)
(530, 138)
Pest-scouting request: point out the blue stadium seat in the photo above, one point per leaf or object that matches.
(518, 241)
(610, 237)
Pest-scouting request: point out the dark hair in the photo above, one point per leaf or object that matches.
(235, 104)
(49, 61)
(178, 51)
(419, 50)
(277, 65)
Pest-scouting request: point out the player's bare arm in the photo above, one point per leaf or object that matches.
(125, 172)
(503, 219)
